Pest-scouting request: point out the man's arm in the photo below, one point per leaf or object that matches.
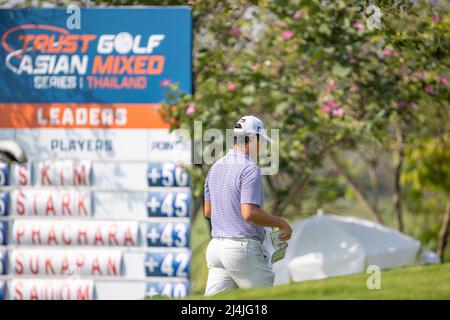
(207, 209)
(253, 213)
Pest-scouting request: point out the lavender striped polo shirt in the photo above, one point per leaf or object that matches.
(234, 180)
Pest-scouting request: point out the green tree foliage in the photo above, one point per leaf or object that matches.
(317, 72)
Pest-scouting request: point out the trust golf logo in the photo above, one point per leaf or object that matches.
(33, 49)
(56, 58)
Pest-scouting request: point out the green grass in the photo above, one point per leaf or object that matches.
(418, 226)
(432, 282)
(418, 282)
(200, 238)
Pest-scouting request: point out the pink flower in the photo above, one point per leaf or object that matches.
(332, 108)
(354, 88)
(286, 35)
(339, 112)
(422, 74)
(351, 59)
(326, 98)
(165, 83)
(358, 26)
(333, 104)
(236, 32)
(419, 75)
(436, 19)
(442, 80)
(326, 108)
(429, 89)
(190, 109)
(232, 87)
(255, 67)
(413, 105)
(231, 69)
(401, 103)
(332, 85)
(297, 14)
(387, 53)
(334, 172)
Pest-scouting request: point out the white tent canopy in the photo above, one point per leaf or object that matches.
(328, 245)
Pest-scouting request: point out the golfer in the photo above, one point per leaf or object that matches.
(234, 202)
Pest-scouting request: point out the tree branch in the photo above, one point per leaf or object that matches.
(443, 233)
(342, 169)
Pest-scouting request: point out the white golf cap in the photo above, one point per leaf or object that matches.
(251, 125)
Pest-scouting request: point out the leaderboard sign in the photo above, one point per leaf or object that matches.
(102, 208)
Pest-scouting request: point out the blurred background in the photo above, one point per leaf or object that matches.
(359, 91)
(361, 101)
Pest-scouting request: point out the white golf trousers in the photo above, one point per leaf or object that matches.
(236, 263)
